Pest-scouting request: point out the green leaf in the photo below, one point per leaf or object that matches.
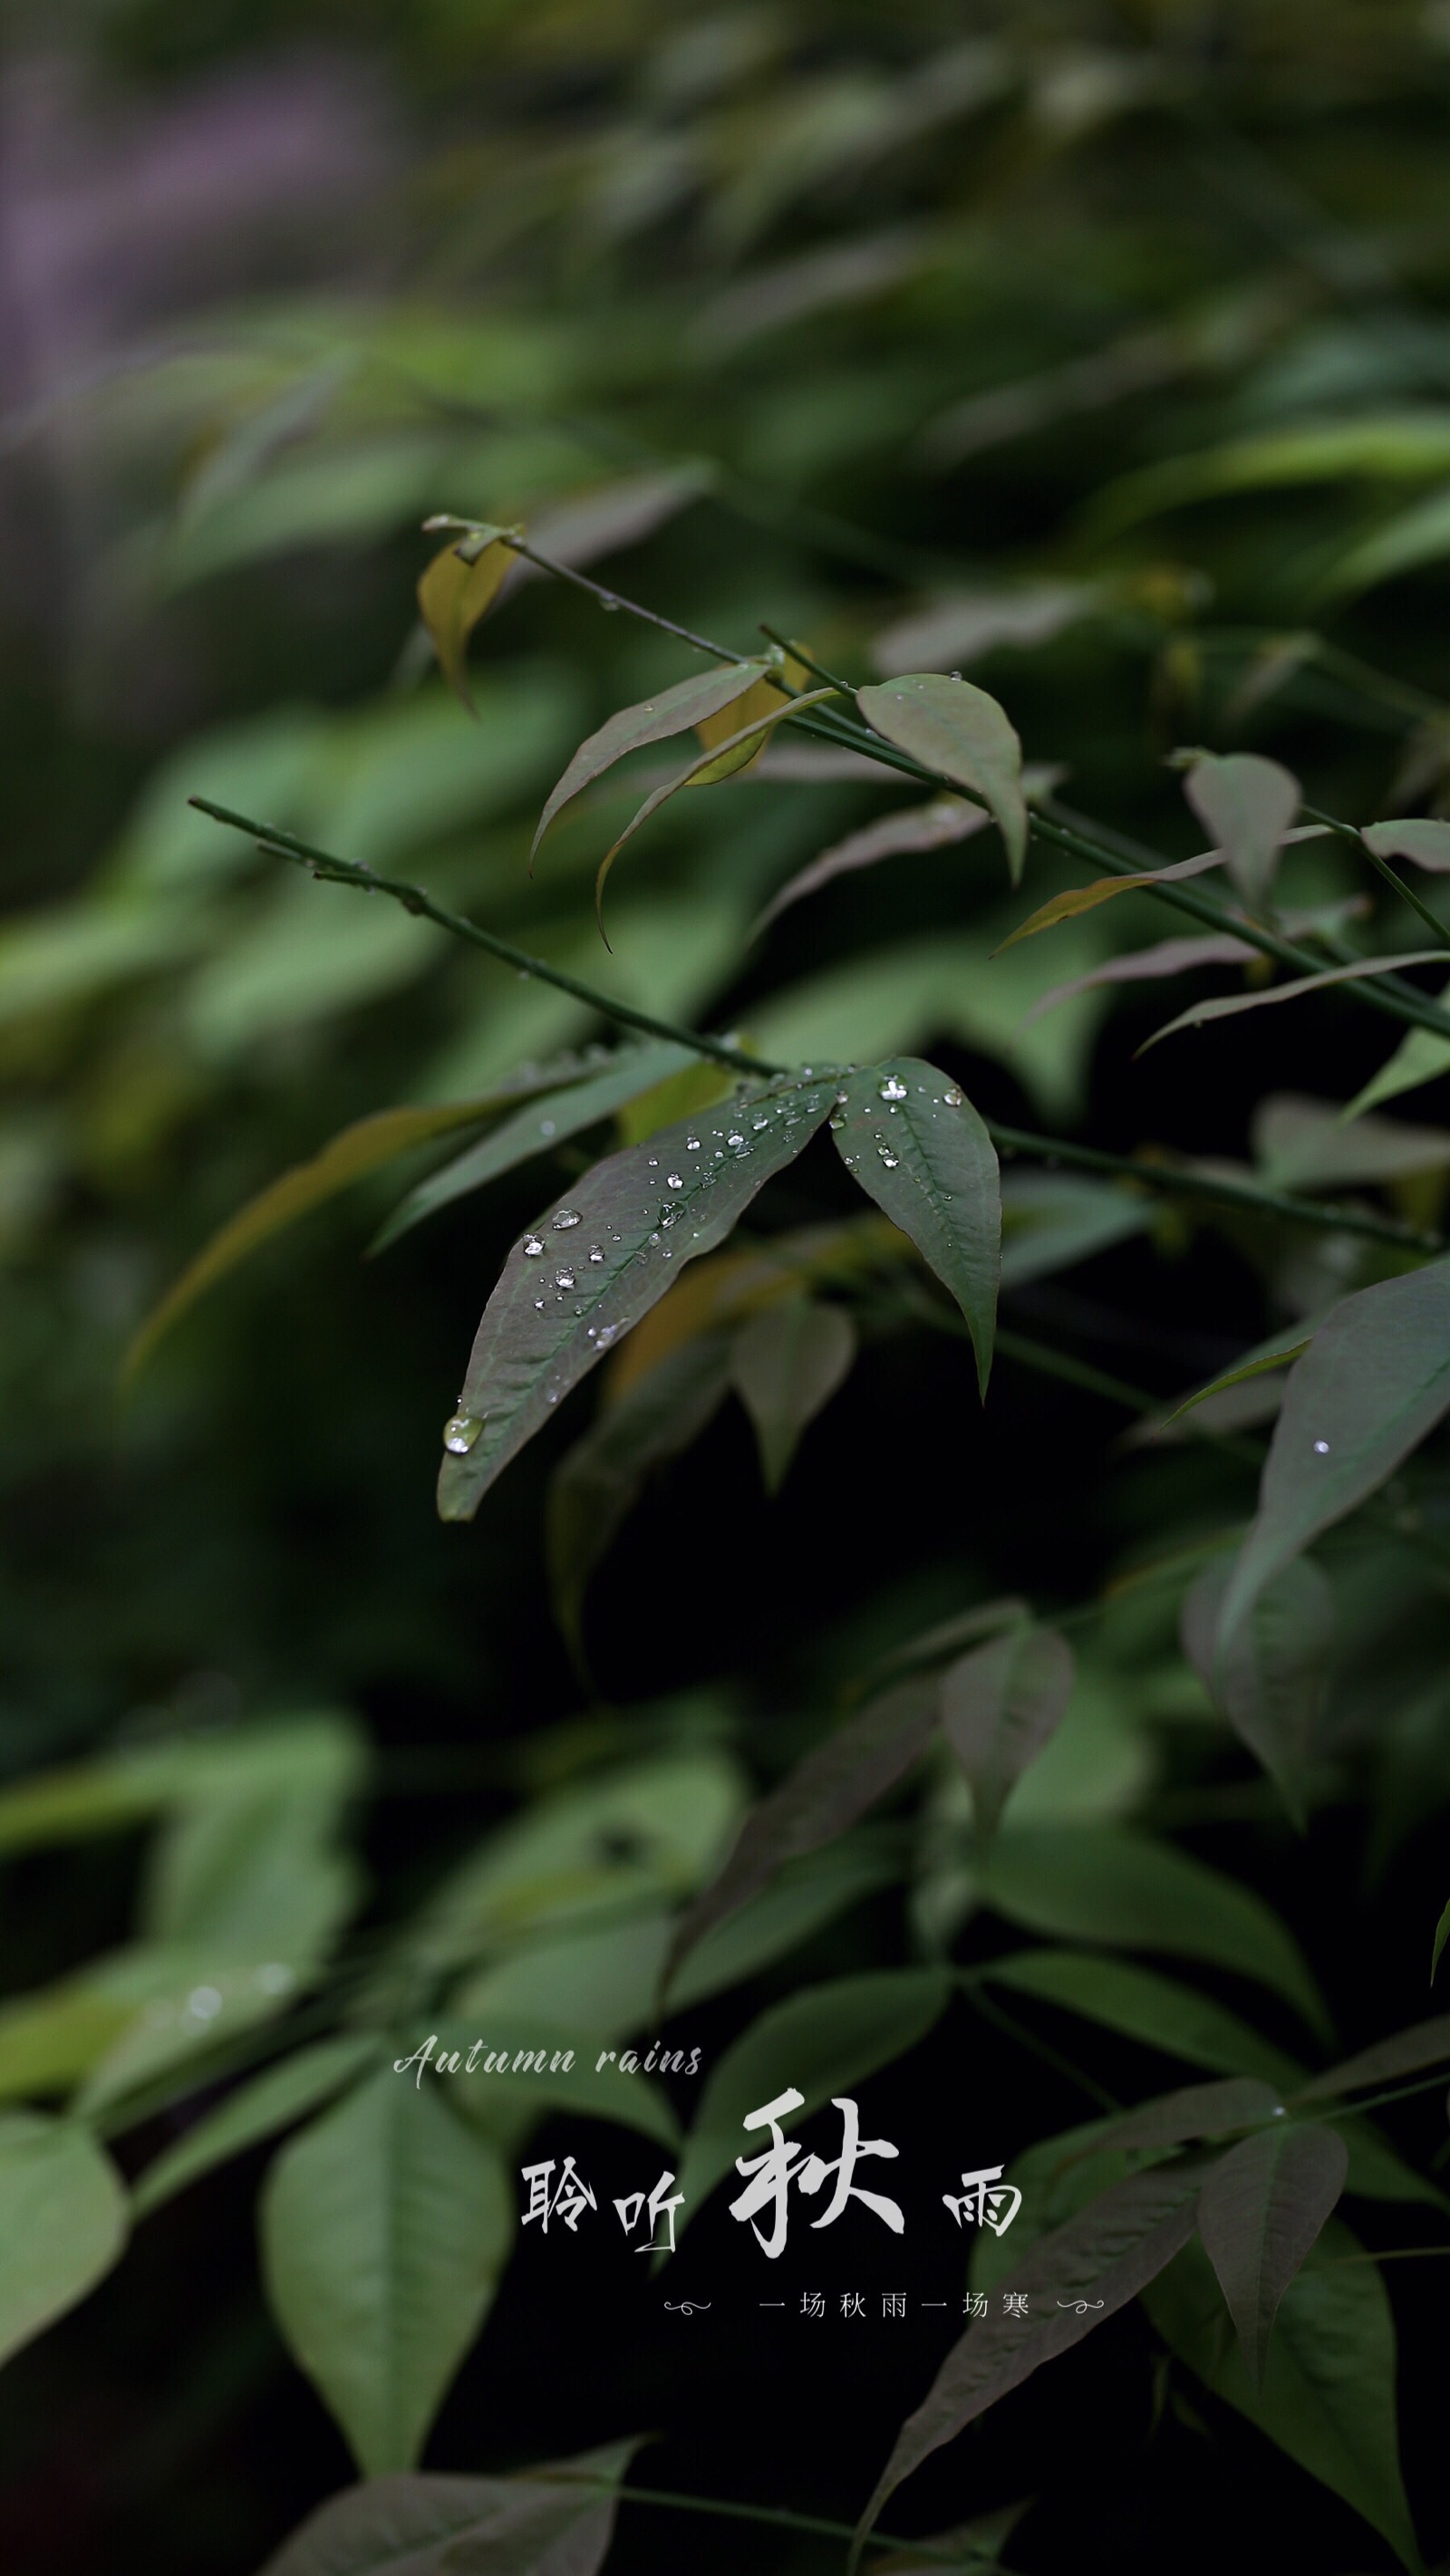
(597, 2092)
(1421, 840)
(1248, 804)
(1261, 2208)
(654, 720)
(1328, 2397)
(936, 1646)
(62, 2221)
(1373, 1383)
(717, 762)
(602, 1980)
(1100, 1883)
(1420, 1057)
(598, 1482)
(826, 1792)
(934, 825)
(1279, 1352)
(384, 2228)
(248, 1877)
(1074, 2279)
(1051, 1222)
(1304, 1144)
(918, 1148)
(301, 1756)
(1229, 1005)
(538, 1129)
(457, 589)
(804, 1895)
(530, 2524)
(1425, 2043)
(178, 2030)
(999, 1706)
(1194, 2111)
(628, 1229)
(819, 2041)
(786, 1363)
(1144, 2006)
(1271, 1679)
(256, 2110)
(956, 730)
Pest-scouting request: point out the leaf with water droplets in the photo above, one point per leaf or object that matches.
(453, 594)
(961, 733)
(1249, 805)
(553, 2519)
(1000, 1704)
(787, 1363)
(537, 1130)
(537, 1339)
(1271, 1679)
(919, 1149)
(688, 703)
(1422, 840)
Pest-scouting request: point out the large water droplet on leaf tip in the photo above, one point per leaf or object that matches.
(460, 1433)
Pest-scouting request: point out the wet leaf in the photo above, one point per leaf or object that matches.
(999, 1706)
(934, 825)
(916, 1145)
(530, 2524)
(384, 2228)
(537, 1130)
(1248, 804)
(656, 719)
(1421, 840)
(1230, 1004)
(596, 1485)
(1194, 2111)
(1260, 2210)
(963, 734)
(1373, 1383)
(256, 2110)
(453, 594)
(786, 1363)
(628, 1229)
(62, 2221)
(1073, 2279)
(1271, 1678)
(825, 1793)
(1156, 2010)
(1425, 2043)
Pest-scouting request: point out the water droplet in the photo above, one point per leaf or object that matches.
(1321, 1448)
(735, 1140)
(274, 1977)
(606, 1335)
(538, 1305)
(952, 1099)
(654, 1238)
(596, 1252)
(532, 1245)
(566, 1217)
(460, 1433)
(203, 2003)
(890, 1160)
(548, 1126)
(893, 1088)
(837, 1122)
(674, 1181)
(563, 1278)
(758, 1123)
(692, 1144)
(654, 1162)
(843, 1100)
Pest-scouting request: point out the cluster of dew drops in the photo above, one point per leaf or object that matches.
(893, 1091)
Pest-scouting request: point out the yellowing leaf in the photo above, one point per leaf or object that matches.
(689, 702)
(766, 698)
(698, 774)
(453, 594)
(1077, 899)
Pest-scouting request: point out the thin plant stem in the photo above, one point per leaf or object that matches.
(608, 599)
(1393, 2254)
(779, 2515)
(971, 1982)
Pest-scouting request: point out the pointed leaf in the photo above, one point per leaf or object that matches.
(734, 753)
(957, 730)
(930, 826)
(918, 1148)
(627, 1231)
(1373, 1383)
(1080, 899)
(1000, 1705)
(1073, 2279)
(804, 1895)
(1228, 1006)
(820, 2041)
(1425, 2043)
(825, 1793)
(1279, 1352)
(1155, 2010)
(936, 1645)
(1260, 2210)
(537, 1130)
(531, 2524)
(596, 1485)
(1248, 804)
(1271, 1679)
(453, 594)
(384, 2228)
(1099, 1883)
(1421, 840)
(1194, 2111)
(524, 2079)
(1420, 1057)
(767, 699)
(62, 2221)
(256, 2110)
(1304, 1144)
(653, 720)
(1149, 966)
(786, 1363)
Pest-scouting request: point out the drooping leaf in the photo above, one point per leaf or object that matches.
(735, 752)
(520, 2068)
(601, 1979)
(1328, 2396)
(916, 1145)
(1422, 840)
(956, 730)
(674, 711)
(1229, 1005)
(1155, 2010)
(1000, 1703)
(596, 1485)
(1151, 965)
(969, 2549)
(1194, 2111)
(1053, 1220)
(249, 1876)
(570, 1288)
(537, 1130)
(936, 1646)
(256, 2110)
(178, 2028)
(1425, 2043)
(786, 1363)
(1420, 1057)
(1102, 1883)
(62, 2221)
(1271, 1679)
(1073, 2279)
(384, 2227)
(457, 589)
(766, 700)
(820, 1798)
(1261, 2208)
(1279, 1352)
(1373, 1383)
(819, 2042)
(933, 825)
(1079, 899)
(1248, 804)
(804, 1895)
(553, 2520)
